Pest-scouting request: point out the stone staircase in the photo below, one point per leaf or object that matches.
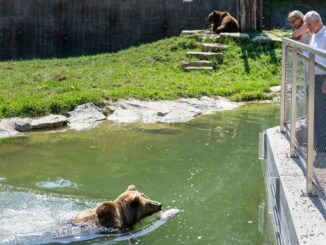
(212, 46)
(209, 51)
(197, 65)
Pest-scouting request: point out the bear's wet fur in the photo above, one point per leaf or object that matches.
(222, 21)
(122, 213)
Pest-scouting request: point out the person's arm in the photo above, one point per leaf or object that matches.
(300, 31)
(323, 87)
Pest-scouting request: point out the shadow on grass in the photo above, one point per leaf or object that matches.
(253, 50)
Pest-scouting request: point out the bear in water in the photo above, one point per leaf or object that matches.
(122, 213)
(222, 22)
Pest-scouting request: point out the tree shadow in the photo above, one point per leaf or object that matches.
(254, 50)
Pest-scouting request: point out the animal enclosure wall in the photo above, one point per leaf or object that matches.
(59, 28)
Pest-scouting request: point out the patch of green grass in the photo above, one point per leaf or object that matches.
(149, 71)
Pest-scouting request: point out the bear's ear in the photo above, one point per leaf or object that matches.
(131, 188)
(215, 13)
(223, 14)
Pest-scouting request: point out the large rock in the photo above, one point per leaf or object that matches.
(135, 111)
(276, 89)
(85, 116)
(134, 115)
(207, 105)
(23, 124)
(178, 115)
(7, 128)
(50, 121)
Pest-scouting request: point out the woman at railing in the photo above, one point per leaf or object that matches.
(301, 31)
(315, 25)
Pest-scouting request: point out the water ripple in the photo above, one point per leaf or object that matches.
(58, 183)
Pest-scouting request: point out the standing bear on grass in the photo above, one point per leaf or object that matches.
(222, 22)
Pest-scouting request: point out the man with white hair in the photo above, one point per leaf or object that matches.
(318, 40)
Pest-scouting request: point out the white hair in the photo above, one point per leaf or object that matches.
(313, 15)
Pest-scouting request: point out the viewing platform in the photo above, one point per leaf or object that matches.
(295, 152)
(298, 218)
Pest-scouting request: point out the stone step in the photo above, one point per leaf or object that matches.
(194, 32)
(213, 47)
(205, 55)
(197, 63)
(205, 37)
(234, 35)
(196, 68)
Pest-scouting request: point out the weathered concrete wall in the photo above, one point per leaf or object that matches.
(58, 28)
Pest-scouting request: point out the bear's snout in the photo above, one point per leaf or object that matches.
(160, 206)
(156, 206)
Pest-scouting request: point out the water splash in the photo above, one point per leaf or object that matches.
(57, 183)
(28, 217)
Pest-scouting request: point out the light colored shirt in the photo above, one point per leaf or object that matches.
(318, 40)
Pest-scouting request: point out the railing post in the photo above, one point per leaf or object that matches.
(284, 61)
(310, 123)
(294, 102)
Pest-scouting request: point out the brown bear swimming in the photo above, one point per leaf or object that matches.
(222, 22)
(122, 213)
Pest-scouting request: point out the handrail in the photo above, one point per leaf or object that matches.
(299, 50)
(305, 47)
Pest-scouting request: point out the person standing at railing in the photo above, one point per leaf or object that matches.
(301, 31)
(318, 39)
(301, 34)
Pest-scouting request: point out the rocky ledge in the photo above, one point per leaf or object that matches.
(123, 111)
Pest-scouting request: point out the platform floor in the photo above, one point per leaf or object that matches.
(298, 217)
(320, 176)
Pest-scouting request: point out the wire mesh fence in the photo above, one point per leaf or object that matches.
(303, 107)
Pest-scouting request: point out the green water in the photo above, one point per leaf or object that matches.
(208, 168)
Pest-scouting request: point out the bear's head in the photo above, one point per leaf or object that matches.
(216, 17)
(127, 209)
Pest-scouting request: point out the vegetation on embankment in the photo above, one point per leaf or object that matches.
(149, 71)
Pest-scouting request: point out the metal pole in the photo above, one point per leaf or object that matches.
(293, 102)
(310, 123)
(282, 111)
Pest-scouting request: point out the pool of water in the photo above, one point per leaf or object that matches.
(208, 168)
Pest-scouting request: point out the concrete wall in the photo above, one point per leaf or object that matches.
(59, 28)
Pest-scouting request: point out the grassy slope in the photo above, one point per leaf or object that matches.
(149, 71)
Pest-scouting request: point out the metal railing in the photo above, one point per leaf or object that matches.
(298, 98)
